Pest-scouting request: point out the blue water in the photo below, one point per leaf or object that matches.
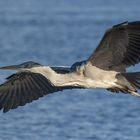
(59, 32)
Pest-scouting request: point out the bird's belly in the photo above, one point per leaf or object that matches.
(99, 78)
(101, 83)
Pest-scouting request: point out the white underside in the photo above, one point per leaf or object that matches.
(93, 77)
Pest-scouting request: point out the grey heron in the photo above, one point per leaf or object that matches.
(105, 68)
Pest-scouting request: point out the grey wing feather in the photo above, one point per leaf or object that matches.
(61, 70)
(24, 87)
(119, 48)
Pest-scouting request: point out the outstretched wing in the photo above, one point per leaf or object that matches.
(119, 48)
(24, 87)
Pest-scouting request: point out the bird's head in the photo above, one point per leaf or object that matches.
(25, 65)
(29, 64)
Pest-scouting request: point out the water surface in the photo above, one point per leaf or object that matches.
(61, 32)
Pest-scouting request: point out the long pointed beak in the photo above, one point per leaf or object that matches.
(12, 67)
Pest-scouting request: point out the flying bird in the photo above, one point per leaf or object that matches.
(105, 68)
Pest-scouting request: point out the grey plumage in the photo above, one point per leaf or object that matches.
(119, 48)
(105, 68)
(24, 87)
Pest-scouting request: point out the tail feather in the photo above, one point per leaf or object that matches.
(129, 82)
(133, 78)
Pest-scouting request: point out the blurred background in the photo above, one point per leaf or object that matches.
(60, 32)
